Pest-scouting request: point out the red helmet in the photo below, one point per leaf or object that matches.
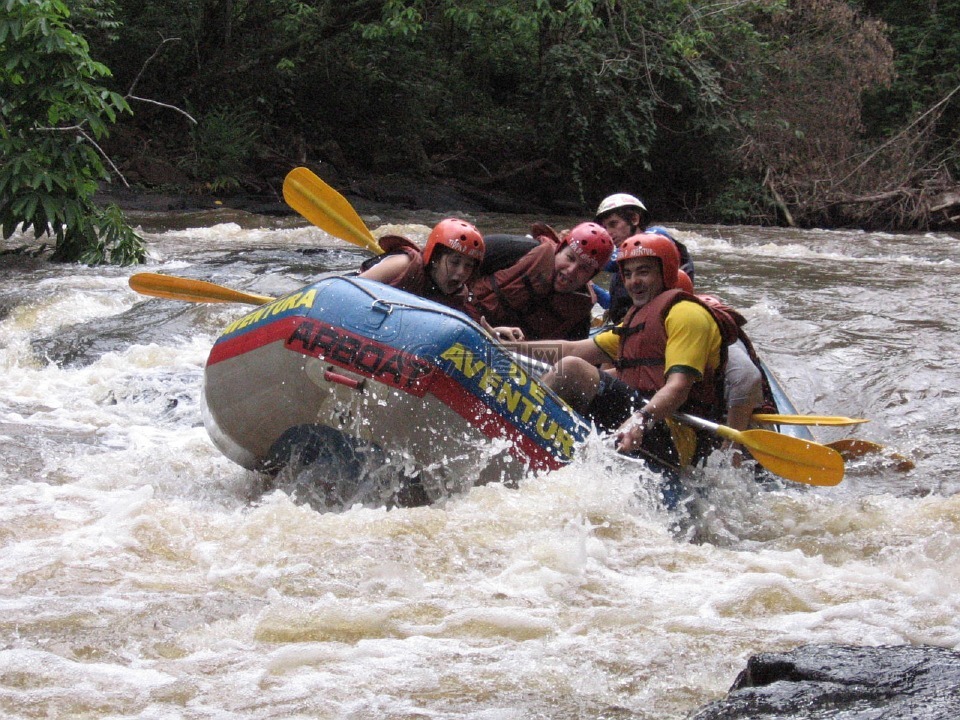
(458, 235)
(684, 282)
(653, 245)
(591, 242)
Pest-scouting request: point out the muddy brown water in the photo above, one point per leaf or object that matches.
(140, 580)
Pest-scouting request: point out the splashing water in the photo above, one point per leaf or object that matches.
(143, 577)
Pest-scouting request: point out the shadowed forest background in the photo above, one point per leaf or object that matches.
(790, 112)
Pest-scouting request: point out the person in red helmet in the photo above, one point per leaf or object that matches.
(684, 282)
(439, 272)
(667, 354)
(536, 287)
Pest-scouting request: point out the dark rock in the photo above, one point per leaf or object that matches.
(414, 194)
(374, 194)
(257, 204)
(843, 682)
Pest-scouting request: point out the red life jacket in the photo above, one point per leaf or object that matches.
(643, 345)
(415, 279)
(522, 295)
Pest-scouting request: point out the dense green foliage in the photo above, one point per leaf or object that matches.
(738, 110)
(53, 110)
(553, 100)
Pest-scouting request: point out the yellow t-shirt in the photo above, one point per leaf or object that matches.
(693, 340)
(693, 344)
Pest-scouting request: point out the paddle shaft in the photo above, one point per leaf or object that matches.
(178, 288)
(806, 419)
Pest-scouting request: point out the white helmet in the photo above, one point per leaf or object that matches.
(617, 201)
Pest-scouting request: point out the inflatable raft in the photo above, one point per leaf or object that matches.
(352, 391)
(370, 381)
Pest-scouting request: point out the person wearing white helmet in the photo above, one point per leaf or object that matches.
(624, 215)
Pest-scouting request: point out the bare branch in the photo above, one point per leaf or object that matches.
(78, 129)
(903, 132)
(165, 105)
(150, 59)
(105, 156)
(778, 199)
(133, 85)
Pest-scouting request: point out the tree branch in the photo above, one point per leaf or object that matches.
(165, 105)
(106, 157)
(133, 85)
(143, 68)
(900, 134)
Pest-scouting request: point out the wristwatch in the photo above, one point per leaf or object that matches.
(648, 419)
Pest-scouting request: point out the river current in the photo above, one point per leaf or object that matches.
(142, 577)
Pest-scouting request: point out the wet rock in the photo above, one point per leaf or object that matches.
(413, 194)
(156, 172)
(842, 682)
(83, 343)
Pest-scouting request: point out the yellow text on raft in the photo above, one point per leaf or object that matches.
(520, 396)
(296, 300)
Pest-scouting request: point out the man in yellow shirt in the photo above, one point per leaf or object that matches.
(667, 354)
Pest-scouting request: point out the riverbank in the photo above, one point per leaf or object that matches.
(159, 183)
(373, 194)
(368, 194)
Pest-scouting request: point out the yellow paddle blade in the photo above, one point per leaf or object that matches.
(327, 209)
(177, 288)
(789, 457)
(806, 419)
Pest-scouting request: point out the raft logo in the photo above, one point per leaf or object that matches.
(361, 355)
(271, 310)
(516, 393)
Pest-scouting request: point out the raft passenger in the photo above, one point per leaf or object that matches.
(538, 283)
(439, 272)
(668, 354)
(744, 391)
(624, 216)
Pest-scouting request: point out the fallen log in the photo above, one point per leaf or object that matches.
(945, 201)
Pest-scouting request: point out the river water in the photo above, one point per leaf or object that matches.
(142, 576)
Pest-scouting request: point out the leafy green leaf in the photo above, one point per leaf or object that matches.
(50, 170)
